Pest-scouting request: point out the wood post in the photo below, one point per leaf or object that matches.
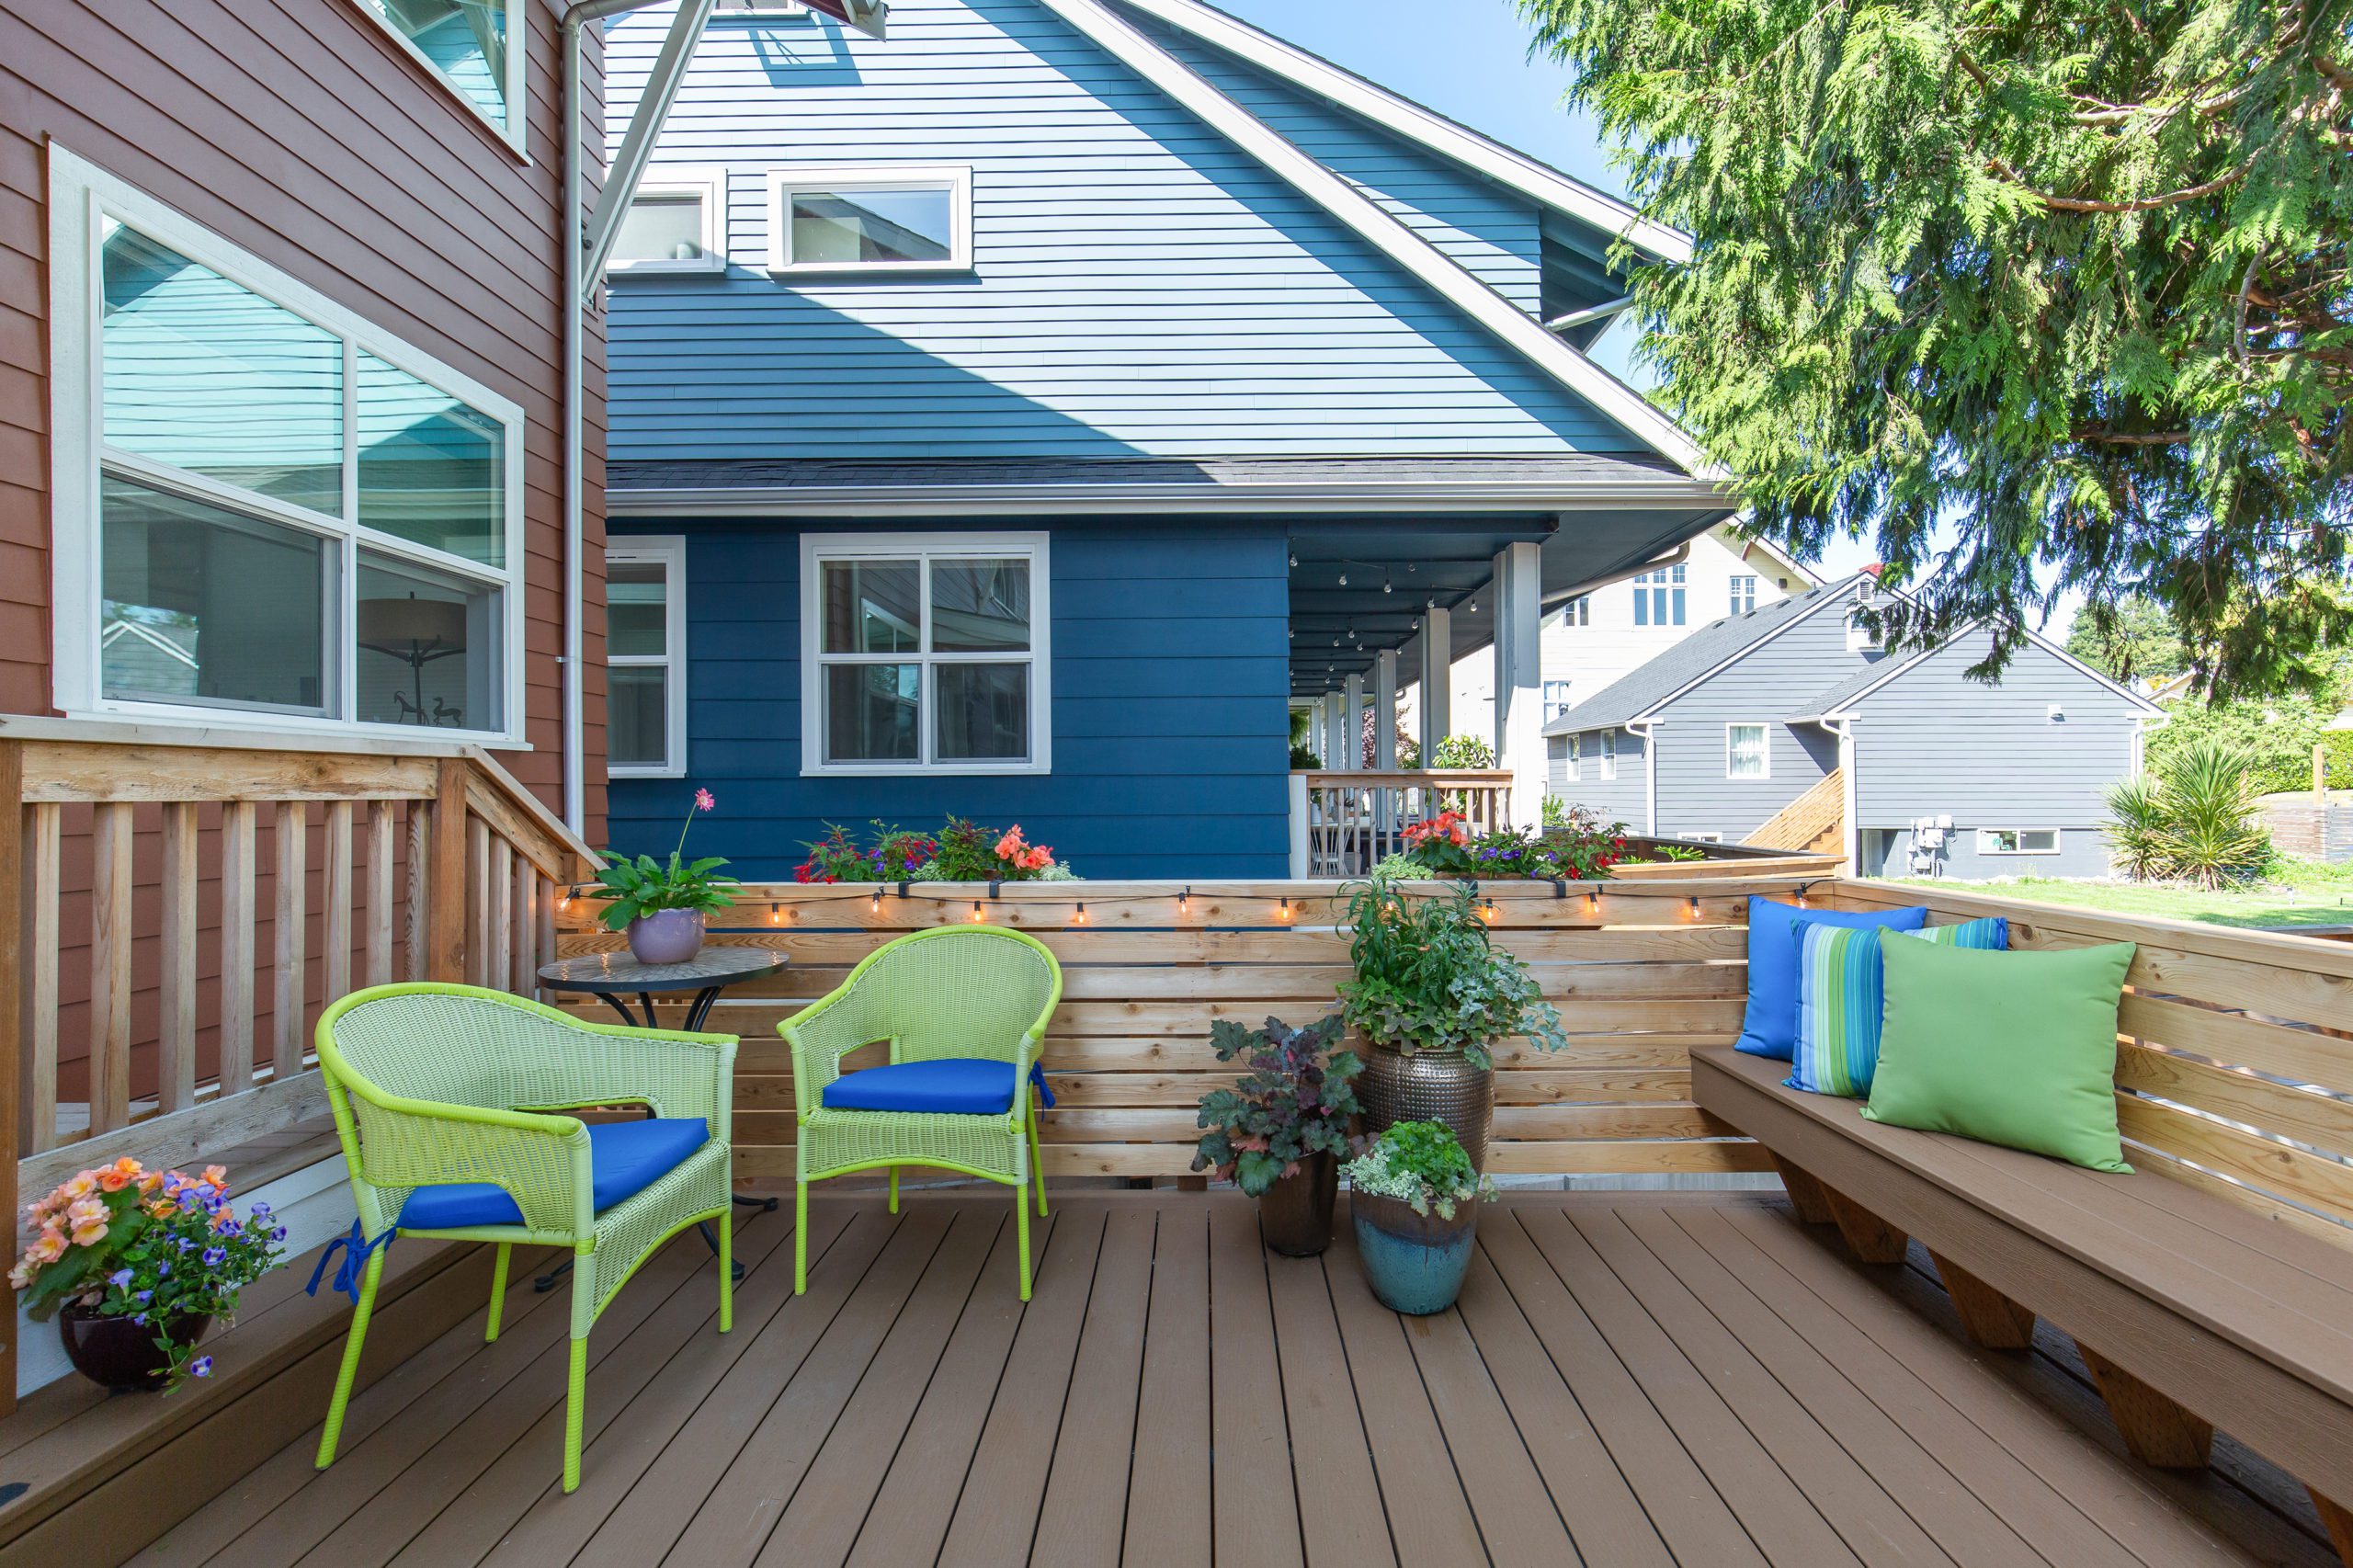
(1872, 1238)
(40, 854)
(291, 837)
(1989, 1317)
(335, 890)
(2158, 1431)
(445, 925)
(112, 933)
(12, 974)
(380, 893)
(237, 819)
(175, 995)
(1806, 1195)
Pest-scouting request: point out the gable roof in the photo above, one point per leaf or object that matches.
(1418, 256)
(1863, 682)
(1645, 690)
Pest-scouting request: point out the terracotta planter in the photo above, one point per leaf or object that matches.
(1414, 1263)
(1295, 1214)
(118, 1354)
(666, 935)
(1427, 1086)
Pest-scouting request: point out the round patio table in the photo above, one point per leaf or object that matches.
(618, 975)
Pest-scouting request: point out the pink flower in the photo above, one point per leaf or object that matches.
(89, 1235)
(49, 1247)
(703, 801)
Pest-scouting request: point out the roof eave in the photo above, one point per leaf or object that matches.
(787, 500)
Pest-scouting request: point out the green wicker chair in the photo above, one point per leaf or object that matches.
(958, 1004)
(444, 1098)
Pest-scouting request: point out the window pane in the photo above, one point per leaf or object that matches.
(873, 607)
(870, 712)
(980, 607)
(661, 228)
(432, 469)
(871, 225)
(636, 716)
(637, 610)
(207, 376)
(204, 605)
(465, 39)
(983, 712)
(428, 647)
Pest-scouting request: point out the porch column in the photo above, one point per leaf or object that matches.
(1352, 723)
(1384, 711)
(1520, 678)
(1437, 679)
(1333, 760)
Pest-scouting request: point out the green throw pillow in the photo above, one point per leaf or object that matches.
(2011, 1047)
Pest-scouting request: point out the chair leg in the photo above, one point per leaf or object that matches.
(497, 1293)
(727, 1269)
(894, 1189)
(576, 1401)
(800, 1234)
(1036, 1162)
(1021, 1235)
(351, 1343)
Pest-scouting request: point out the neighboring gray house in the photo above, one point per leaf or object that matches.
(1903, 760)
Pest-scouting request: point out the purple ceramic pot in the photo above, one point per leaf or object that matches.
(666, 935)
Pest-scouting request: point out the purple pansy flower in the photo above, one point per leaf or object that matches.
(200, 1368)
(214, 1257)
(119, 1278)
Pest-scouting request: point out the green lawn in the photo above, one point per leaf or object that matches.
(2297, 892)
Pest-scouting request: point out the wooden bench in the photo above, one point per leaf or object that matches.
(2192, 1311)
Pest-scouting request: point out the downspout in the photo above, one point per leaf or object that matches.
(1840, 725)
(575, 378)
(1648, 730)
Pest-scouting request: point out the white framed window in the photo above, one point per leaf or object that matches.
(925, 653)
(646, 656)
(1702, 837)
(870, 218)
(1743, 594)
(1573, 758)
(1860, 638)
(1659, 596)
(1608, 754)
(675, 223)
(1746, 755)
(472, 45)
(264, 504)
(1578, 611)
(1556, 699)
(2017, 841)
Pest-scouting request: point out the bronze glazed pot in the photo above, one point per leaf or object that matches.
(1427, 1086)
(118, 1354)
(1295, 1214)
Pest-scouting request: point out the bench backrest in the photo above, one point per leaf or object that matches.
(2234, 1066)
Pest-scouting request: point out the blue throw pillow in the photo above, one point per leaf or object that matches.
(1842, 999)
(1770, 1028)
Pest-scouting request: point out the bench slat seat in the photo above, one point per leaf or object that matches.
(2242, 1320)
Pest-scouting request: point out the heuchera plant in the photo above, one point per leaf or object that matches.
(1295, 1101)
(642, 886)
(154, 1246)
(1417, 1162)
(1430, 977)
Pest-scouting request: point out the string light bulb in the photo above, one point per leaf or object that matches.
(1593, 903)
(1344, 579)
(776, 915)
(1692, 904)
(1079, 918)
(1282, 910)
(980, 916)
(1185, 902)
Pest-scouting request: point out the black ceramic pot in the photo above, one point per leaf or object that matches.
(119, 1354)
(1295, 1214)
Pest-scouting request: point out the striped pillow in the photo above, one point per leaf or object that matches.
(1841, 1000)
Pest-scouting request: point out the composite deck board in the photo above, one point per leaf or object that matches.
(1628, 1379)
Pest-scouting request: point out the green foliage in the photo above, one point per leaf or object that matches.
(2070, 277)
(834, 858)
(2197, 820)
(2336, 751)
(1295, 1101)
(1419, 1163)
(2276, 735)
(1463, 751)
(1303, 758)
(2132, 638)
(1428, 977)
(639, 887)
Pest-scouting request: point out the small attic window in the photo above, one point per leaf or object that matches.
(1860, 638)
(674, 223)
(870, 219)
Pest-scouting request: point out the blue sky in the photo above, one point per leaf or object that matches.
(1476, 69)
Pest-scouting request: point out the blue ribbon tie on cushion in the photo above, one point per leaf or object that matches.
(355, 1249)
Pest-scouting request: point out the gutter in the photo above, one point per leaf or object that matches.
(1590, 314)
(845, 500)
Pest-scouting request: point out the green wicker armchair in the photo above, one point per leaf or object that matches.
(964, 1009)
(445, 1098)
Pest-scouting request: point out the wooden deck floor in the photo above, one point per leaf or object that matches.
(1628, 1379)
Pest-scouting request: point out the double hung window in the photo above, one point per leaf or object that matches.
(645, 657)
(1659, 596)
(1746, 754)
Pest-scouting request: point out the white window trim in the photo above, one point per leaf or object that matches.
(670, 552)
(955, 180)
(81, 195)
(1984, 834)
(1608, 755)
(1033, 547)
(518, 36)
(1763, 729)
(1698, 837)
(1735, 595)
(1573, 760)
(1860, 638)
(708, 186)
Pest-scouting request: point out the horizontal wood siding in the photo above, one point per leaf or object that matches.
(301, 132)
(1171, 680)
(1767, 685)
(1140, 284)
(1625, 798)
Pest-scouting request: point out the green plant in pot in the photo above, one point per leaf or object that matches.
(662, 905)
(1279, 1132)
(1414, 1199)
(1431, 996)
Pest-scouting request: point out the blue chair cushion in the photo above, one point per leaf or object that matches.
(624, 1159)
(1770, 1027)
(957, 1085)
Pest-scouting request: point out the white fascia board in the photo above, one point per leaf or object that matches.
(1741, 544)
(1611, 397)
(2142, 706)
(1673, 492)
(1504, 165)
(1745, 649)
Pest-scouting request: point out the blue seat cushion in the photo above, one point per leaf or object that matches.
(624, 1159)
(957, 1085)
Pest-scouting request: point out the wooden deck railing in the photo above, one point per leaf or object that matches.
(1346, 823)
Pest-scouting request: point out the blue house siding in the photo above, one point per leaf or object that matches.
(1171, 688)
(1140, 286)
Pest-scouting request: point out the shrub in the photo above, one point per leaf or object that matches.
(1417, 1162)
(1463, 751)
(1428, 976)
(2196, 818)
(2275, 735)
(1295, 1101)
(1303, 758)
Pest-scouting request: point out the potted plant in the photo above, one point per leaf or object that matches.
(135, 1264)
(1414, 1201)
(1279, 1132)
(663, 906)
(1430, 994)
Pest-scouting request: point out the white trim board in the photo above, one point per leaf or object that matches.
(1671, 492)
(1899, 667)
(1505, 165)
(1612, 398)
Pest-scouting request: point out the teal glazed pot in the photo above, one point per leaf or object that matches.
(1414, 1263)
